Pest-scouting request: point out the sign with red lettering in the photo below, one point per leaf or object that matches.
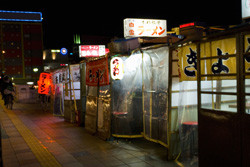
(97, 72)
(145, 28)
(91, 50)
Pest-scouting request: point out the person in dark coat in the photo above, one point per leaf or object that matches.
(7, 88)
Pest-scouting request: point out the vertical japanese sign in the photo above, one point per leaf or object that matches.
(75, 72)
(97, 72)
(44, 83)
(187, 63)
(145, 28)
(116, 68)
(91, 50)
(60, 76)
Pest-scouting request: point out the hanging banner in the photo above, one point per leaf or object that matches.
(247, 50)
(60, 76)
(187, 63)
(222, 65)
(97, 72)
(75, 72)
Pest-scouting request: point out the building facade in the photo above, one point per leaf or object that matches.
(54, 59)
(21, 47)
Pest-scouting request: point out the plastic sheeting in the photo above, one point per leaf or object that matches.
(188, 123)
(97, 116)
(144, 86)
(155, 77)
(127, 99)
(59, 100)
(60, 77)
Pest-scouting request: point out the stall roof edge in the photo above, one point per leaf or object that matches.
(155, 46)
(245, 27)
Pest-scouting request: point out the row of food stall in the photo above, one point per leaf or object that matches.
(133, 92)
(158, 92)
(122, 96)
(151, 92)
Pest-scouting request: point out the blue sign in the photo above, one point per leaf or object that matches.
(20, 16)
(64, 51)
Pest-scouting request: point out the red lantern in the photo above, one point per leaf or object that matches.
(44, 83)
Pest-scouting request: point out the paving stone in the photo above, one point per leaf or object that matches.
(68, 144)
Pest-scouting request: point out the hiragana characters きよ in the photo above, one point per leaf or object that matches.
(218, 67)
(192, 61)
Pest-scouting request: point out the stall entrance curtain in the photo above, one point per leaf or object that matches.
(155, 86)
(187, 102)
(140, 98)
(127, 99)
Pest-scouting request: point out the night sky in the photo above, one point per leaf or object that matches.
(62, 20)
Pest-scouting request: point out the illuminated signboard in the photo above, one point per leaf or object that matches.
(116, 68)
(245, 9)
(20, 16)
(145, 28)
(64, 51)
(44, 83)
(91, 50)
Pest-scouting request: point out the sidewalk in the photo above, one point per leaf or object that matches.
(31, 138)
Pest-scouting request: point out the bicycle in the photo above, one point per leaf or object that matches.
(9, 101)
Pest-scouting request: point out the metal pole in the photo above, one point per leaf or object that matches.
(143, 109)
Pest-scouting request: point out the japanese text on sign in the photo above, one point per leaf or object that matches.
(116, 68)
(91, 50)
(44, 83)
(97, 73)
(145, 28)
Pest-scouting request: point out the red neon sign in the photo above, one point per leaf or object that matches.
(187, 25)
(44, 83)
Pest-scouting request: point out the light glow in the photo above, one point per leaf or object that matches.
(35, 69)
(187, 25)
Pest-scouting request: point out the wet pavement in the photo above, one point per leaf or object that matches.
(33, 138)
